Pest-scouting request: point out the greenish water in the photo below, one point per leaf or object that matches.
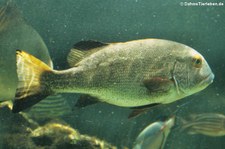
(63, 23)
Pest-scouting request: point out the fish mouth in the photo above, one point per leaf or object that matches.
(207, 80)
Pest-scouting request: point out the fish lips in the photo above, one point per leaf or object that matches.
(207, 80)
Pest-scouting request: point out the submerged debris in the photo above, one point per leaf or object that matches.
(53, 136)
(19, 133)
(65, 136)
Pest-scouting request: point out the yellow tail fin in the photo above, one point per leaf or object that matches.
(31, 88)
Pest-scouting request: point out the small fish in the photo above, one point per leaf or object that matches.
(154, 136)
(210, 124)
(129, 74)
(51, 107)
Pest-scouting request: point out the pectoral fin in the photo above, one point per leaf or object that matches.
(158, 84)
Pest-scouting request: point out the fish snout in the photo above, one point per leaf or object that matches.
(211, 78)
(208, 79)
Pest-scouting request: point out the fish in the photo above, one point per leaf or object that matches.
(209, 124)
(52, 107)
(155, 135)
(126, 74)
(16, 33)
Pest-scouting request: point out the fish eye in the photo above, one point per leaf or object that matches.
(197, 61)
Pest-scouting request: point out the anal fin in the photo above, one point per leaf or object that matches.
(137, 111)
(86, 100)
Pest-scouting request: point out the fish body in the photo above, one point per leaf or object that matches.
(209, 124)
(128, 74)
(154, 136)
(14, 34)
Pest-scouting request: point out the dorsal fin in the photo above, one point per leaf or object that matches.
(75, 56)
(88, 45)
(83, 49)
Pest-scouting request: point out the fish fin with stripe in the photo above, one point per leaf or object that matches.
(52, 106)
(83, 49)
(184, 124)
(75, 56)
(31, 88)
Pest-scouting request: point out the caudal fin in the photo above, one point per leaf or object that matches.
(31, 88)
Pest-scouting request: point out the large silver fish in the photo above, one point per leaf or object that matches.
(210, 124)
(154, 136)
(16, 33)
(129, 74)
